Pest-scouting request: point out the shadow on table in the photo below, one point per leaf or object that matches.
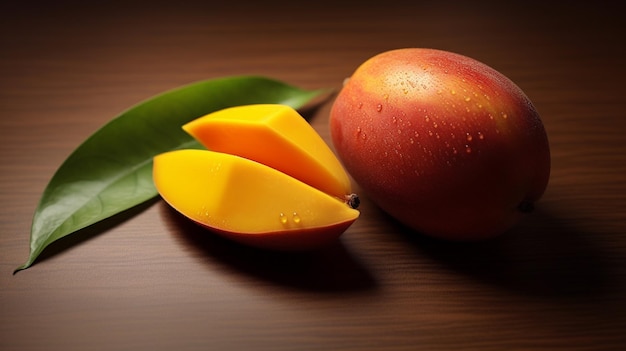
(330, 269)
(542, 256)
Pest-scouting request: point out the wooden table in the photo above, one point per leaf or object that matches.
(156, 282)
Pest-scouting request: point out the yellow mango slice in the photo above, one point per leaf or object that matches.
(249, 202)
(276, 136)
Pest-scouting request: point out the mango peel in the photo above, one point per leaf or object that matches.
(267, 179)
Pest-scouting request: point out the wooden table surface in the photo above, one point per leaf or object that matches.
(156, 282)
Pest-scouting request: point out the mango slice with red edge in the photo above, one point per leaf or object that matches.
(244, 187)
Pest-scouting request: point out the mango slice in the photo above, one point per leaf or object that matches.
(276, 136)
(267, 180)
(249, 202)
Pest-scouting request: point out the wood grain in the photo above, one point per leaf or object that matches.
(151, 280)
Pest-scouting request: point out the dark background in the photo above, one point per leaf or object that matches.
(151, 280)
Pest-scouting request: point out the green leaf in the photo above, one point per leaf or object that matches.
(111, 171)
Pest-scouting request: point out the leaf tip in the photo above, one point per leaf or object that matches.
(21, 268)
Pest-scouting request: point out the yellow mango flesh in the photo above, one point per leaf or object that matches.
(277, 136)
(248, 201)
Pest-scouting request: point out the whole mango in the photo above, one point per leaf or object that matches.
(447, 145)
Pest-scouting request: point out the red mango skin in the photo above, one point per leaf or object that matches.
(303, 239)
(445, 144)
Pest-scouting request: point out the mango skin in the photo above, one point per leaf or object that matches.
(445, 144)
(249, 202)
